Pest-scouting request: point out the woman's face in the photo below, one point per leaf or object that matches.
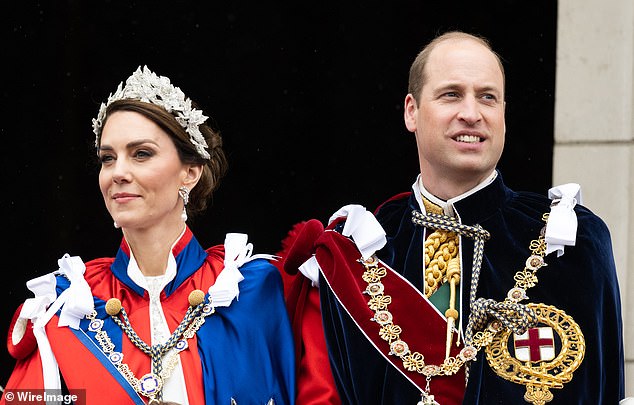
(141, 173)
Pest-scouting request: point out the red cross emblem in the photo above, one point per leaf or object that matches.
(536, 344)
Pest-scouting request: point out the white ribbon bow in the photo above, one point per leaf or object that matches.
(366, 232)
(75, 303)
(561, 229)
(77, 299)
(237, 253)
(35, 309)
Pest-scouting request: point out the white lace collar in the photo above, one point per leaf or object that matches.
(135, 274)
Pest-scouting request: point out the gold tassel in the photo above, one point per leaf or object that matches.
(453, 276)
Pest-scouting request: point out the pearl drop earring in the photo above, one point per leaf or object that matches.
(183, 192)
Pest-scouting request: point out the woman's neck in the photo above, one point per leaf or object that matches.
(151, 249)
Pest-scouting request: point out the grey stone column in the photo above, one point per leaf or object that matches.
(594, 133)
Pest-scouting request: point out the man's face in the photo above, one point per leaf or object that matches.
(459, 118)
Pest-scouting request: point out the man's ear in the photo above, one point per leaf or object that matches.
(410, 113)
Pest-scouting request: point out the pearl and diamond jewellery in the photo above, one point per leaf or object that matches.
(183, 193)
(146, 86)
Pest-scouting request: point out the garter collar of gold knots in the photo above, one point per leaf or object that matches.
(487, 319)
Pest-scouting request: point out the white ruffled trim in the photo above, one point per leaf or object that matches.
(237, 253)
(561, 229)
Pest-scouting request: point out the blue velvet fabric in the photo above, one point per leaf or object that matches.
(582, 283)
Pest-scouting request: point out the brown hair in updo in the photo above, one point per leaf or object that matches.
(214, 168)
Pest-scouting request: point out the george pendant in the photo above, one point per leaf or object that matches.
(536, 361)
(427, 399)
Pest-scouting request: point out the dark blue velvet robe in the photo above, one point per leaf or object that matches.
(582, 282)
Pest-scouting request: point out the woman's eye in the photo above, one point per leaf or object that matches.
(143, 153)
(105, 158)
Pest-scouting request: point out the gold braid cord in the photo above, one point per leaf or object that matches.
(442, 265)
(440, 247)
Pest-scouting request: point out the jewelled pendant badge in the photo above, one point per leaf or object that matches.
(535, 363)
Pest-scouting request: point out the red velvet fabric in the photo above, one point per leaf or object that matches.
(423, 328)
(26, 344)
(315, 383)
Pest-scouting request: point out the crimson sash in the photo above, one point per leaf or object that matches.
(423, 327)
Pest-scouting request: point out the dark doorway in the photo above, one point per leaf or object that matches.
(308, 96)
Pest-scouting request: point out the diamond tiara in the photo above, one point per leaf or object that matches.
(146, 86)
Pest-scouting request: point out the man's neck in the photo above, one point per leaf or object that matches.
(448, 190)
(447, 204)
